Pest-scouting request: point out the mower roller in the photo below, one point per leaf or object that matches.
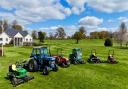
(111, 58)
(60, 59)
(17, 74)
(76, 56)
(93, 58)
(41, 60)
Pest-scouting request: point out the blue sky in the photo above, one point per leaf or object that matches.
(48, 15)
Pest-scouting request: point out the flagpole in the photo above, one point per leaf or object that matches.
(2, 40)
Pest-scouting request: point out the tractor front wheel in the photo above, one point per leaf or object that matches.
(45, 71)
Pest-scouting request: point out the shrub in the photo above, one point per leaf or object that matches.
(37, 44)
(108, 42)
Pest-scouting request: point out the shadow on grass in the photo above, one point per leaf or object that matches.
(120, 47)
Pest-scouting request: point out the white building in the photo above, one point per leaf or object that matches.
(17, 37)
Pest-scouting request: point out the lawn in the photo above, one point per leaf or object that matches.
(86, 76)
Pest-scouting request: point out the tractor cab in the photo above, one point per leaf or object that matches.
(41, 59)
(76, 56)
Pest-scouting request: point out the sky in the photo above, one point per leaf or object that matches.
(48, 15)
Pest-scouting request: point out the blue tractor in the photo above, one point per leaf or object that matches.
(41, 60)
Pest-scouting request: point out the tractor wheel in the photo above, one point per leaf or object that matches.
(32, 65)
(55, 68)
(63, 65)
(14, 82)
(45, 71)
(82, 62)
(75, 62)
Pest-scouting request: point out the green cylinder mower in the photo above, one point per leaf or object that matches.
(76, 56)
(17, 74)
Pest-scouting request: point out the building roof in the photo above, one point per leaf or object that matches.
(12, 32)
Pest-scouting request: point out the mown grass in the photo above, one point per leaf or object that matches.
(87, 76)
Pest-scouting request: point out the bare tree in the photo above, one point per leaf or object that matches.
(121, 34)
(60, 33)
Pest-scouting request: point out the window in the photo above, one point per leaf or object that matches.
(6, 39)
(1, 39)
(26, 39)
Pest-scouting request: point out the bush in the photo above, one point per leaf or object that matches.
(108, 42)
(37, 44)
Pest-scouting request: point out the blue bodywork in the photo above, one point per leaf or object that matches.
(43, 58)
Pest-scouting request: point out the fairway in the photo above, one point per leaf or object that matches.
(86, 76)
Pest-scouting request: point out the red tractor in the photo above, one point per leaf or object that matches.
(60, 59)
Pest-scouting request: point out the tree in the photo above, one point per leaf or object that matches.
(77, 36)
(34, 34)
(108, 42)
(51, 36)
(60, 33)
(121, 33)
(5, 25)
(16, 26)
(83, 32)
(94, 35)
(41, 36)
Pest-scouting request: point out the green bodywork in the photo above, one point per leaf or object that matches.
(76, 55)
(21, 72)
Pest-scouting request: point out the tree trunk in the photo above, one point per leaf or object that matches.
(77, 41)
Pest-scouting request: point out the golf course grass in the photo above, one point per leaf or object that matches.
(86, 76)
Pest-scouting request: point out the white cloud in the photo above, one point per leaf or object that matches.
(70, 30)
(77, 6)
(123, 19)
(36, 10)
(90, 21)
(102, 5)
(110, 21)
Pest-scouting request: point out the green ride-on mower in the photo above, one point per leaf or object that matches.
(76, 56)
(93, 58)
(111, 58)
(60, 59)
(17, 74)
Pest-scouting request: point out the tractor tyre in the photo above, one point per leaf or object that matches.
(32, 65)
(45, 71)
(63, 65)
(55, 68)
(75, 62)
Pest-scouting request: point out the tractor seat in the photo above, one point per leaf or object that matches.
(12, 68)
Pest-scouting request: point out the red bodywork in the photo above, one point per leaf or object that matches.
(60, 59)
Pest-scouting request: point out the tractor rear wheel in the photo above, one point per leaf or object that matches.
(32, 65)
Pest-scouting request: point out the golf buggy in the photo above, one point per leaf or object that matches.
(41, 60)
(76, 56)
(17, 74)
(93, 58)
(60, 59)
(111, 58)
